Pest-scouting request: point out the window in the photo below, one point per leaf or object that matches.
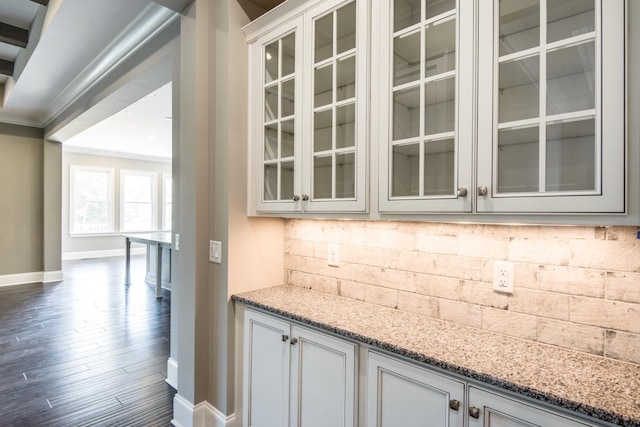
(166, 201)
(138, 200)
(91, 200)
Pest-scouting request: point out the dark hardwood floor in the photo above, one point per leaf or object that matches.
(86, 351)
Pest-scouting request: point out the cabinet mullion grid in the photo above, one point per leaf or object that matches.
(543, 120)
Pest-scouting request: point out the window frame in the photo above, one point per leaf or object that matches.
(166, 204)
(154, 198)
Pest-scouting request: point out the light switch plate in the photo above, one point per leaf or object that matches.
(215, 251)
(176, 242)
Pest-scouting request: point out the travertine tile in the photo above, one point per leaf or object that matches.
(419, 262)
(492, 247)
(418, 304)
(376, 257)
(605, 255)
(509, 323)
(622, 234)
(542, 304)
(460, 267)
(460, 313)
(325, 284)
(367, 274)
(623, 286)
(400, 280)
(525, 275)
(479, 293)
(616, 315)
(570, 335)
(553, 252)
(436, 243)
(623, 346)
(570, 280)
(353, 290)
(381, 296)
(437, 286)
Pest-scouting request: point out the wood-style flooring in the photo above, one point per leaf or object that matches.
(85, 351)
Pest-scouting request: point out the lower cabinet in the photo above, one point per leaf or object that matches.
(297, 377)
(400, 394)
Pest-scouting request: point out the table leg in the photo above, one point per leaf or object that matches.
(127, 274)
(159, 271)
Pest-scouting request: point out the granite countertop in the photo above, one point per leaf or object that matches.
(602, 388)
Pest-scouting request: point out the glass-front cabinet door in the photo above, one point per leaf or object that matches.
(426, 115)
(334, 155)
(276, 77)
(551, 106)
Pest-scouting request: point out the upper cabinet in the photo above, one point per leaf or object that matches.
(551, 106)
(308, 109)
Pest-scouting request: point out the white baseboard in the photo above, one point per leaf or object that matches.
(203, 414)
(172, 373)
(33, 277)
(102, 253)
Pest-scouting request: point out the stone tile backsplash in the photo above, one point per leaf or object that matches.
(575, 287)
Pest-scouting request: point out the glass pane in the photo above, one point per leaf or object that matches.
(518, 164)
(571, 79)
(346, 78)
(138, 188)
(322, 131)
(271, 103)
(437, 7)
(286, 188)
(406, 59)
(406, 113)
(345, 126)
(406, 170)
(569, 18)
(439, 167)
(324, 38)
(346, 28)
(345, 175)
(322, 172)
(323, 86)
(287, 104)
(519, 25)
(519, 89)
(439, 109)
(271, 142)
(91, 185)
(405, 13)
(286, 138)
(288, 55)
(270, 182)
(271, 62)
(440, 48)
(571, 154)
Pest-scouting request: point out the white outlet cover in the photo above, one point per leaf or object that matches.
(503, 277)
(333, 254)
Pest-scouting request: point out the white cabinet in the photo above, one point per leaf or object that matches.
(400, 394)
(296, 377)
(502, 106)
(308, 108)
(488, 409)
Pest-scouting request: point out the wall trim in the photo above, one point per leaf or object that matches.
(203, 414)
(172, 373)
(21, 278)
(52, 276)
(66, 256)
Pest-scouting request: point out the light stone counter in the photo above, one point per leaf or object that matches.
(601, 388)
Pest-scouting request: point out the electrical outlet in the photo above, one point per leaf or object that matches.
(333, 254)
(503, 277)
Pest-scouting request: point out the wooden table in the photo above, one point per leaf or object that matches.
(159, 240)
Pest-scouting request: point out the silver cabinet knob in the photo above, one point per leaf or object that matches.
(305, 197)
(285, 337)
(454, 404)
(462, 192)
(294, 341)
(296, 197)
(483, 190)
(474, 412)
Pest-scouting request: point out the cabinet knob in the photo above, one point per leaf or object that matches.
(483, 190)
(454, 404)
(294, 341)
(285, 337)
(474, 412)
(462, 192)
(305, 197)
(296, 197)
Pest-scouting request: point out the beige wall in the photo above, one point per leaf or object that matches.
(21, 204)
(87, 244)
(575, 287)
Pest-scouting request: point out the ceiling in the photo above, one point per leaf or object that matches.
(65, 42)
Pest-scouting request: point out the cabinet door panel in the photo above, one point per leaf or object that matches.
(399, 394)
(322, 380)
(266, 367)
